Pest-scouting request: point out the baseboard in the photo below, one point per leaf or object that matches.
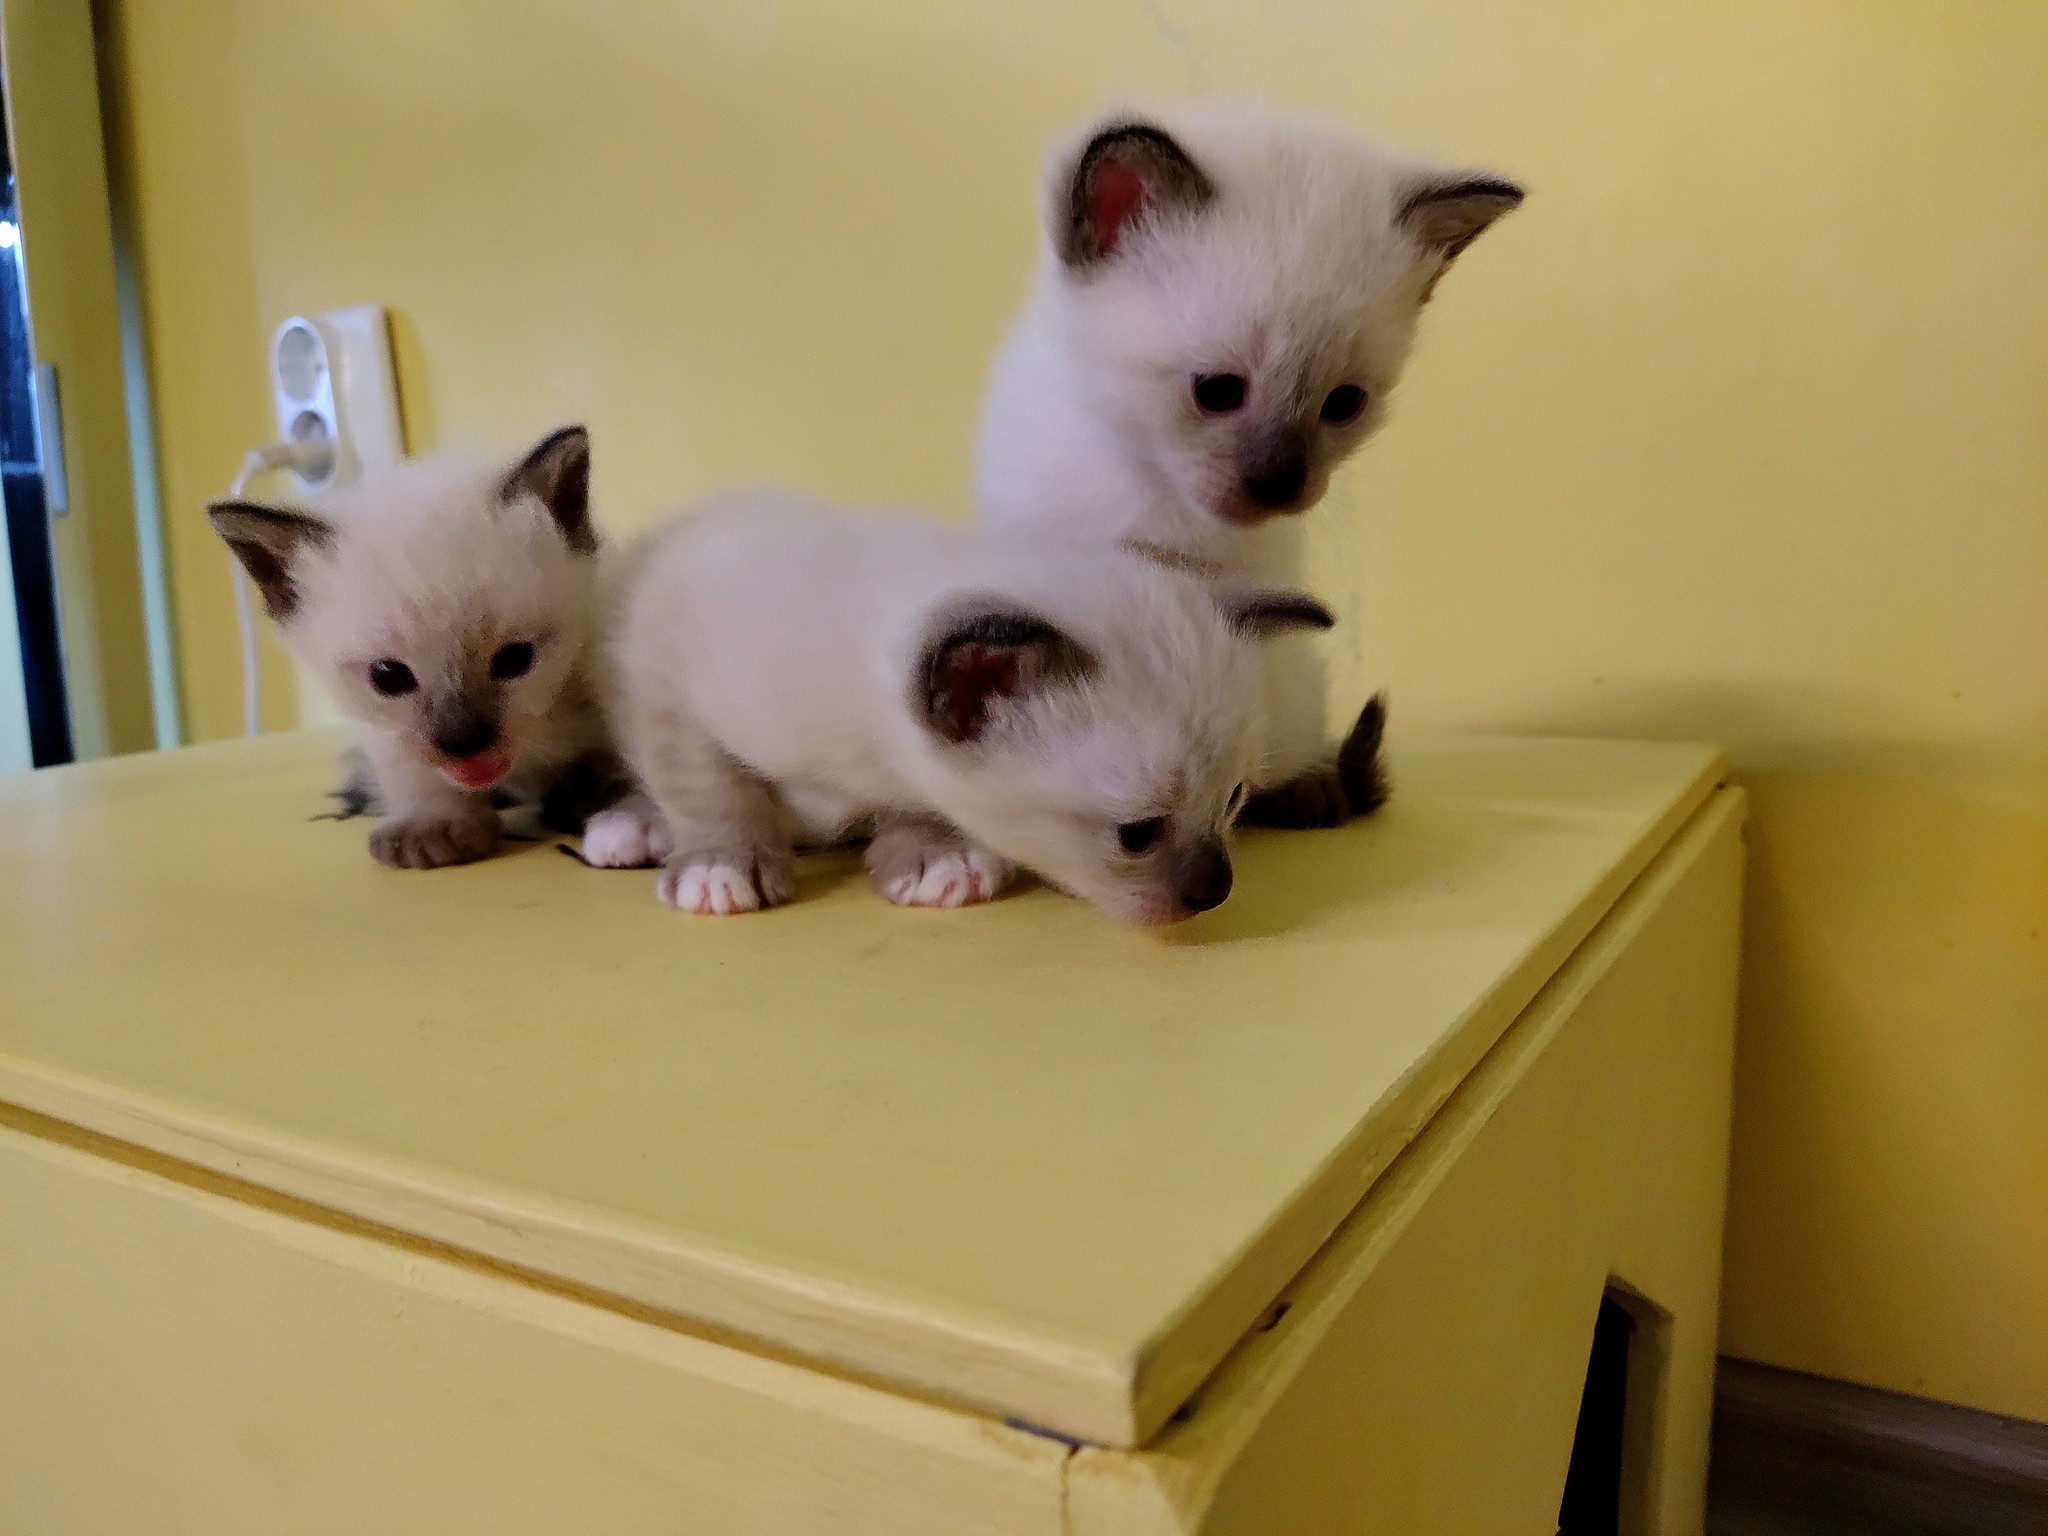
(1806, 1454)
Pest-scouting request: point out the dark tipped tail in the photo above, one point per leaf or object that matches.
(594, 782)
(358, 793)
(1359, 766)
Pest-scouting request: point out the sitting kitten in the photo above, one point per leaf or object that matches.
(788, 671)
(446, 604)
(1228, 295)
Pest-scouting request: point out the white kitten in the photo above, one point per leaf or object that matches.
(1227, 297)
(446, 606)
(788, 670)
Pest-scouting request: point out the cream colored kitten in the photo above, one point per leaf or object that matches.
(1228, 295)
(789, 672)
(446, 606)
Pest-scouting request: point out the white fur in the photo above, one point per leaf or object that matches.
(952, 877)
(628, 835)
(1297, 276)
(768, 658)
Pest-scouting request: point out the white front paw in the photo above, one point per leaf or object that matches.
(630, 835)
(709, 890)
(954, 877)
(721, 884)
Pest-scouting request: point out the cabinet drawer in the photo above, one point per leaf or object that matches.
(178, 1357)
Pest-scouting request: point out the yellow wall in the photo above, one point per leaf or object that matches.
(1738, 430)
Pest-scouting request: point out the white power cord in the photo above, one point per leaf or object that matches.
(308, 454)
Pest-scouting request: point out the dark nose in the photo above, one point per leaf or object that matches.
(1275, 478)
(1203, 878)
(463, 730)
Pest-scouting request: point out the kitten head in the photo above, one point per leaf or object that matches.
(1104, 745)
(443, 603)
(1237, 289)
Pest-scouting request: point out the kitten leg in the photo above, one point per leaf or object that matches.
(628, 835)
(729, 843)
(1352, 783)
(924, 861)
(429, 823)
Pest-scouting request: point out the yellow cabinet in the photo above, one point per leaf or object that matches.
(503, 1199)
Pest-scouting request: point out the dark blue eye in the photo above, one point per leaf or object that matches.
(1134, 837)
(1342, 404)
(1220, 393)
(514, 660)
(392, 678)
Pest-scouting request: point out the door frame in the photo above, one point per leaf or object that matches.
(53, 125)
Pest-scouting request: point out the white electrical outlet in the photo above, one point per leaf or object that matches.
(332, 381)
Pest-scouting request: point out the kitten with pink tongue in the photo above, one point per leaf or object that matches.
(446, 605)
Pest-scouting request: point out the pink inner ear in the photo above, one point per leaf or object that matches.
(976, 674)
(1118, 194)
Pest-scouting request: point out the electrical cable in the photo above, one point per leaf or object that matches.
(306, 454)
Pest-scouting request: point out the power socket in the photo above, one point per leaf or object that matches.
(332, 381)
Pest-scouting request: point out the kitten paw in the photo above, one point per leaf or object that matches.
(434, 842)
(956, 878)
(727, 881)
(921, 864)
(631, 835)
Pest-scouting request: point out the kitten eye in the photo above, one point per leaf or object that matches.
(1134, 837)
(1237, 797)
(392, 678)
(1220, 393)
(514, 660)
(1343, 404)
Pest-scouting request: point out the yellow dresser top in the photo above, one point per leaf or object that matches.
(1013, 1157)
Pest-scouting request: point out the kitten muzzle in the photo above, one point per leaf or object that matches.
(1201, 876)
(1276, 472)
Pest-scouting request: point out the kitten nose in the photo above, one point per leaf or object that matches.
(463, 730)
(1203, 878)
(1277, 476)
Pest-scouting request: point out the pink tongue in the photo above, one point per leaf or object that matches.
(480, 771)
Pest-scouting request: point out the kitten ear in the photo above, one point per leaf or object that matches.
(980, 661)
(268, 542)
(557, 474)
(1126, 171)
(1258, 613)
(1447, 213)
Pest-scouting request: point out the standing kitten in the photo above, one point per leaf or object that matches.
(1228, 295)
(788, 670)
(446, 604)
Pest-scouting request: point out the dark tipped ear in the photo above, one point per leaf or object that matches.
(268, 542)
(1128, 170)
(1446, 215)
(557, 472)
(1261, 612)
(978, 661)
